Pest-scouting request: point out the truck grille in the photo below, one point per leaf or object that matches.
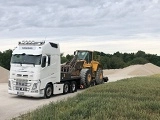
(20, 75)
(22, 88)
(21, 85)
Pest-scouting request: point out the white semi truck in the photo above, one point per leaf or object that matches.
(36, 71)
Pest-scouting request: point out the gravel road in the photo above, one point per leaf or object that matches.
(12, 106)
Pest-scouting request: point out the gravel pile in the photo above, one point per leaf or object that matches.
(135, 70)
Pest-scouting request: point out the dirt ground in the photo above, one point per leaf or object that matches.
(4, 74)
(12, 106)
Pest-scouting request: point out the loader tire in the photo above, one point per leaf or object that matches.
(99, 76)
(86, 78)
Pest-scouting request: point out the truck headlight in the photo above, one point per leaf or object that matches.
(34, 86)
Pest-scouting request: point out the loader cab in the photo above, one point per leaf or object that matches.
(84, 55)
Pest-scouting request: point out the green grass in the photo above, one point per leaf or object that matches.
(128, 99)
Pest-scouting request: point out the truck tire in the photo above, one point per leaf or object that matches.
(73, 87)
(86, 78)
(48, 91)
(66, 88)
(99, 76)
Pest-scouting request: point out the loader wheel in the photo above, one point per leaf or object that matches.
(73, 87)
(86, 78)
(48, 91)
(99, 76)
(66, 88)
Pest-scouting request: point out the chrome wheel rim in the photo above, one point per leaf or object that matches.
(66, 88)
(49, 91)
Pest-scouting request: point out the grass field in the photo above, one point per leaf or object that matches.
(128, 99)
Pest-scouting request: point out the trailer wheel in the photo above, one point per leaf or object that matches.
(48, 91)
(73, 87)
(99, 76)
(86, 78)
(66, 88)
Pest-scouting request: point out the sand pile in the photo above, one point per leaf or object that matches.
(147, 69)
(111, 71)
(4, 75)
(135, 70)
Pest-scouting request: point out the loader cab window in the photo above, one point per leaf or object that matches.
(81, 55)
(84, 55)
(90, 57)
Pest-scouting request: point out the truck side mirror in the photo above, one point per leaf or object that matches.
(43, 61)
(74, 52)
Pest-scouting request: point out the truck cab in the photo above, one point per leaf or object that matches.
(35, 69)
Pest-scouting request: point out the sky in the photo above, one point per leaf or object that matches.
(102, 25)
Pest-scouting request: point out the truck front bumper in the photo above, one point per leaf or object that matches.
(28, 94)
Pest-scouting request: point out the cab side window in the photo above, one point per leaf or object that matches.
(43, 62)
(49, 60)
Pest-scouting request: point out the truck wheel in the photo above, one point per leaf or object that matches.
(48, 91)
(99, 76)
(86, 78)
(73, 87)
(66, 88)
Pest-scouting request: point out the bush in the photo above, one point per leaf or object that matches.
(138, 60)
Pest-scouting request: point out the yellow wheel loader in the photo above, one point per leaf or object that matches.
(83, 68)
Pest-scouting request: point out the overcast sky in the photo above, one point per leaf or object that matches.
(102, 25)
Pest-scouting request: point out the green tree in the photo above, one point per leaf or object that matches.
(105, 62)
(140, 54)
(139, 60)
(116, 62)
(5, 59)
(69, 57)
(63, 58)
(1, 56)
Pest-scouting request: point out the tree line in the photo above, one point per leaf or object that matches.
(120, 60)
(5, 58)
(108, 61)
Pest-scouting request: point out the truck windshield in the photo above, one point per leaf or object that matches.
(26, 59)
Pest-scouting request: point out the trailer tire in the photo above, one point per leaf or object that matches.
(86, 78)
(73, 87)
(99, 76)
(48, 92)
(66, 88)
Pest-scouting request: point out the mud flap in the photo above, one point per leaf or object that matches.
(105, 79)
